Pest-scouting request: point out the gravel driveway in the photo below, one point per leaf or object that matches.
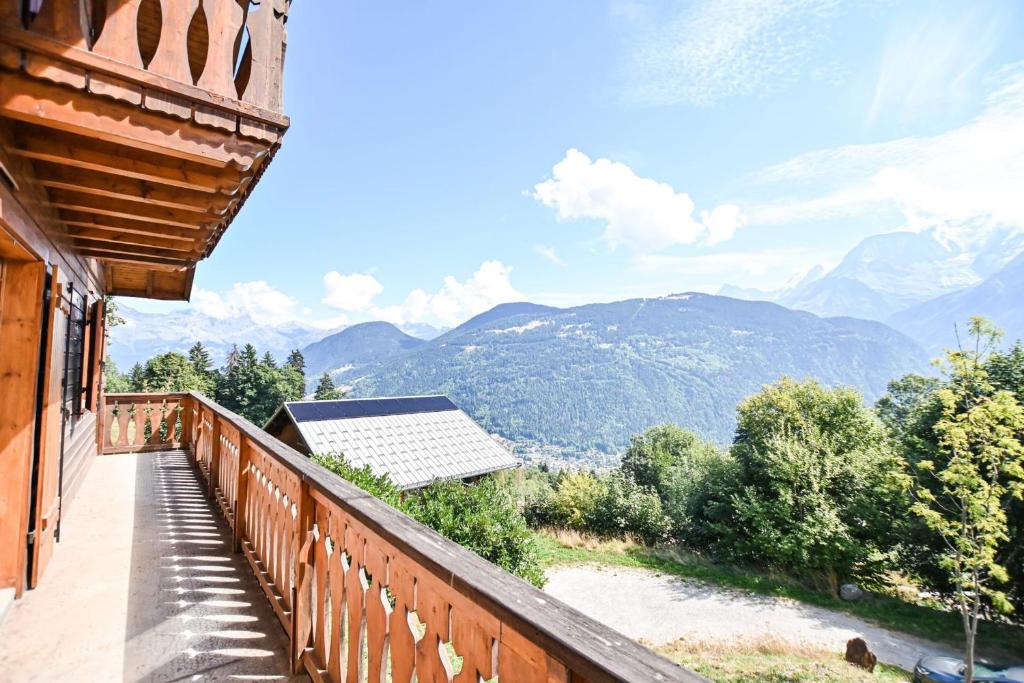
(661, 608)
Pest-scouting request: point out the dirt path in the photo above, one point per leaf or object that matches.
(660, 608)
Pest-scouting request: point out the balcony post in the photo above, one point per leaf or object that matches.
(241, 491)
(303, 554)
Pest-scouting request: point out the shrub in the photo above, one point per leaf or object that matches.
(575, 500)
(816, 484)
(626, 508)
(482, 517)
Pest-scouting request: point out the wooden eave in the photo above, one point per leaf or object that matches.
(122, 165)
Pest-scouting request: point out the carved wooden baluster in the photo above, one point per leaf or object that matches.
(403, 642)
(337, 574)
(521, 660)
(122, 426)
(377, 614)
(120, 37)
(267, 43)
(475, 634)
(171, 58)
(433, 612)
(356, 595)
(224, 19)
(63, 20)
(319, 602)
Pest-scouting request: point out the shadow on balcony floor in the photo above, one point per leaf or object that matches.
(144, 587)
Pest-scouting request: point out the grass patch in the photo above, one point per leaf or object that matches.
(998, 641)
(773, 661)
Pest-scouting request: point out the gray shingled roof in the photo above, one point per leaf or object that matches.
(413, 440)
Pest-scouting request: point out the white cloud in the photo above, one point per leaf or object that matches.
(354, 292)
(716, 49)
(965, 179)
(957, 47)
(257, 300)
(550, 254)
(455, 301)
(642, 213)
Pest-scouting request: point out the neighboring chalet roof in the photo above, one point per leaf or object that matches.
(414, 440)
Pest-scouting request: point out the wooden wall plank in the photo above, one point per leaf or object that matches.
(21, 291)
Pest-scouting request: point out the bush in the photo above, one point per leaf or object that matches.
(575, 500)
(482, 517)
(683, 470)
(626, 508)
(815, 490)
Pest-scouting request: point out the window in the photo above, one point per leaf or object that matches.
(74, 351)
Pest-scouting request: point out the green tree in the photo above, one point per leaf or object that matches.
(170, 372)
(240, 384)
(816, 484)
(297, 362)
(115, 382)
(136, 378)
(653, 455)
(202, 363)
(112, 313)
(964, 497)
(904, 397)
(683, 470)
(325, 390)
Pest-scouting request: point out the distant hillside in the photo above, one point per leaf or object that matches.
(345, 354)
(504, 311)
(592, 376)
(998, 298)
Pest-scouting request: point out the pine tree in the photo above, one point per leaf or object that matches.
(268, 360)
(137, 378)
(297, 362)
(325, 390)
(202, 363)
(200, 358)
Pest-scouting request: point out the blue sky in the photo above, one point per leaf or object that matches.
(444, 157)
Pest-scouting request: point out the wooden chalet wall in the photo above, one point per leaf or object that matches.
(32, 364)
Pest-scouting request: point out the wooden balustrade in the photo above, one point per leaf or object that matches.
(367, 594)
(189, 58)
(132, 423)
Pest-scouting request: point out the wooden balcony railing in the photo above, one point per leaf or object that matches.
(217, 61)
(364, 592)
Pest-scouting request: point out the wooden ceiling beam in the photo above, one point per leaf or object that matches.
(132, 249)
(73, 201)
(127, 189)
(77, 233)
(153, 262)
(75, 151)
(52, 106)
(135, 226)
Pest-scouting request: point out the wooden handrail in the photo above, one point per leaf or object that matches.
(334, 560)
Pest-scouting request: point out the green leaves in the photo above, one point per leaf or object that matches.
(481, 516)
(816, 486)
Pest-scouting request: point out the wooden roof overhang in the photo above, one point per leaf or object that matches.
(138, 164)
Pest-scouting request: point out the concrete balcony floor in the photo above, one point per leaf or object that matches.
(144, 586)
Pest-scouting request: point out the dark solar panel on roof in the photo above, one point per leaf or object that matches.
(368, 407)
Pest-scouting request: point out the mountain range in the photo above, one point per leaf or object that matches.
(904, 279)
(592, 376)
